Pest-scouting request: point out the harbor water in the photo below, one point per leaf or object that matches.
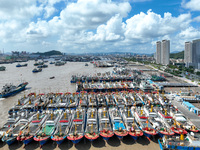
(41, 83)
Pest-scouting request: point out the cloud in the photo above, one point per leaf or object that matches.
(151, 25)
(189, 34)
(193, 5)
(197, 19)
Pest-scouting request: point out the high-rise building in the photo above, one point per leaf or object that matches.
(188, 53)
(158, 52)
(192, 54)
(162, 52)
(165, 50)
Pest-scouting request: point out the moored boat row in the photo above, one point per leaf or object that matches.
(73, 116)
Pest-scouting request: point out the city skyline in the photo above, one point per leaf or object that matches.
(84, 26)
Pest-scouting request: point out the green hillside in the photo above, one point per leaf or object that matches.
(179, 55)
(50, 53)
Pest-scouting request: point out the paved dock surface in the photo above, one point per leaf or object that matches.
(192, 116)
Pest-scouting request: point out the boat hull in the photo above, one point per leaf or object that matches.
(75, 140)
(121, 135)
(27, 140)
(91, 138)
(42, 141)
(58, 140)
(135, 136)
(10, 140)
(106, 136)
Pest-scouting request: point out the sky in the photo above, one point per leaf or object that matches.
(96, 26)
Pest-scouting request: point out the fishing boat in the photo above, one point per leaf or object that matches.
(117, 123)
(19, 105)
(130, 124)
(10, 89)
(72, 100)
(168, 119)
(157, 122)
(119, 100)
(16, 130)
(33, 128)
(92, 101)
(180, 142)
(76, 131)
(110, 101)
(129, 101)
(182, 120)
(83, 100)
(142, 120)
(11, 121)
(48, 128)
(62, 127)
(92, 127)
(136, 100)
(101, 101)
(105, 128)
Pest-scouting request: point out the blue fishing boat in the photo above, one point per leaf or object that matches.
(76, 131)
(62, 127)
(10, 89)
(33, 128)
(118, 124)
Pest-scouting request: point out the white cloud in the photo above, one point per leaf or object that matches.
(88, 25)
(197, 19)
(193, 5)
(151, 25)
(189, 34)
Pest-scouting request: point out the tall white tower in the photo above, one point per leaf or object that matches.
(165, 51)
(158, 52)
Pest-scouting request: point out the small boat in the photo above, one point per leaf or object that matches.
(23, 65)
(92, 127)
(117, 123)
(48, 128)
(130, 124)
(10, 89)
(76, 131)
(2, 68)
(16, 130)
(52, 77)
(142, 120)
(62, 127)
(42, 66)
(105, 128)
(33, 128)
(37, 70)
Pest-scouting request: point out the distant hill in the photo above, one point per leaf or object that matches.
(49, 53)
(179, 55)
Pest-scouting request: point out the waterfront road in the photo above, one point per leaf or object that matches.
(190, 115)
